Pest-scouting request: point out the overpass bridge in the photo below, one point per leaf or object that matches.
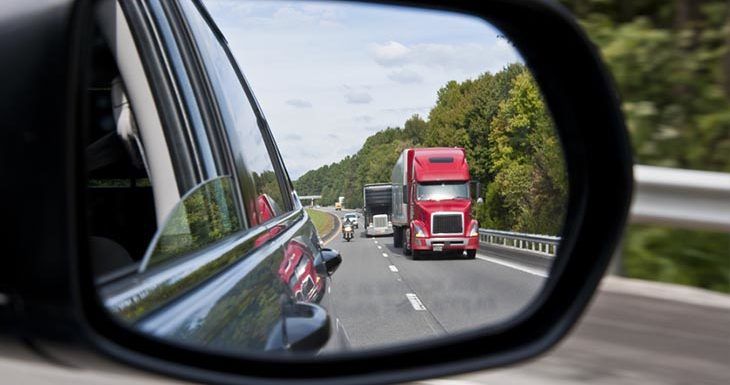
(310, 198)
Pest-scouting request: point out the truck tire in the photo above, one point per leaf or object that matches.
(397, 237)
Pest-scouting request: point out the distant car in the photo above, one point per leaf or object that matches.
(353, 219)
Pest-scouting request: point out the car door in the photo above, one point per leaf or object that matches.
(211, 275)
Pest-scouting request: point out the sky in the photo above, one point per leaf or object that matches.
(328, 75)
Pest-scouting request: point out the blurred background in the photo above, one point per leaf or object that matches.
(671, 63)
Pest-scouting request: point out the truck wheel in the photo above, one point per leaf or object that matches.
(406, 242)
(471, 254)
(415, 255)
(398, 237)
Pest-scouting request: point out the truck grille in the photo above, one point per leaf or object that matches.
(379, 221)
(447, 224)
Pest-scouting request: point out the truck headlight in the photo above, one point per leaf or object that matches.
(474, 230)
(418, 231)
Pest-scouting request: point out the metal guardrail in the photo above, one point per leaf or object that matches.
(681, 198)
(534, 243)
(663, 196)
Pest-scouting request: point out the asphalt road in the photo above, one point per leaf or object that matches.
(382, 297)
(634, 333)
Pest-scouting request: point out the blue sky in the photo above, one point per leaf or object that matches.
(328, 75)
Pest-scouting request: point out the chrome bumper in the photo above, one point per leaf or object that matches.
(451, 241)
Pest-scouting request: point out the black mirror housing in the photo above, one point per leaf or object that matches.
(49, 299)
(331, 260)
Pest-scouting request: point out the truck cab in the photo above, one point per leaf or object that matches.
(432, 203)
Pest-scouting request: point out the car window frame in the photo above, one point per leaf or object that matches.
(290, 204)
(156, 42)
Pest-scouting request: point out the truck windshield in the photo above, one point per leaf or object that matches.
(442, 190)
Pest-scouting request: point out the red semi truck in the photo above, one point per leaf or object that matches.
(432, 203)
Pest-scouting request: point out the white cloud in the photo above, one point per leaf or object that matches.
(356, 97)
(296, 54)
(463, 56)
(405, 76)
(390, 54)
(299, 103)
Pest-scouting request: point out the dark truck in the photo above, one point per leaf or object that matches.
(377, 200)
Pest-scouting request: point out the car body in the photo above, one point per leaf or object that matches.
(226, 214)
(299, 272)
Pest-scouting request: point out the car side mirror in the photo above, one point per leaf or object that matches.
(213, 326)
(331, 259)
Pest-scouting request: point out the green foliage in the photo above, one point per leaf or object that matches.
(323, 222)
(679, 256)
(511, 147)
(204, 216)
(671, 64)
(372, 164)
(527, 162)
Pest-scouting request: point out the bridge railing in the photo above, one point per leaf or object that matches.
(534, 243)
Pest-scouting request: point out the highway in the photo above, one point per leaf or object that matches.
(634, 333)
(382, 297)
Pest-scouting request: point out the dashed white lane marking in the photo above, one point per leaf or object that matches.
(380, 247)
(521, 268)
(393, 268)
(340, 326)
(329, 289)
(375, 241)
(415, 302)
(385, 255)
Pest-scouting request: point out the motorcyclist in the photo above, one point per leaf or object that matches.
(346, 223)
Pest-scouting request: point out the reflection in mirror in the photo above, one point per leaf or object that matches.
(202, 217)
(430, 168)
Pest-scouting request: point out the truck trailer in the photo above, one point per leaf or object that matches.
(377, 209)
(432, 203)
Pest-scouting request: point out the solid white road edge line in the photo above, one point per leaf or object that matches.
(515, 266)
(415, 302)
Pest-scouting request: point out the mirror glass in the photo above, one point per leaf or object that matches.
(344, 177)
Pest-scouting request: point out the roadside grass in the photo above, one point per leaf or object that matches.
(322, 221)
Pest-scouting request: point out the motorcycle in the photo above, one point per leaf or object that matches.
(347, 232)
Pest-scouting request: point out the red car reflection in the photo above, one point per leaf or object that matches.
(297, 270)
